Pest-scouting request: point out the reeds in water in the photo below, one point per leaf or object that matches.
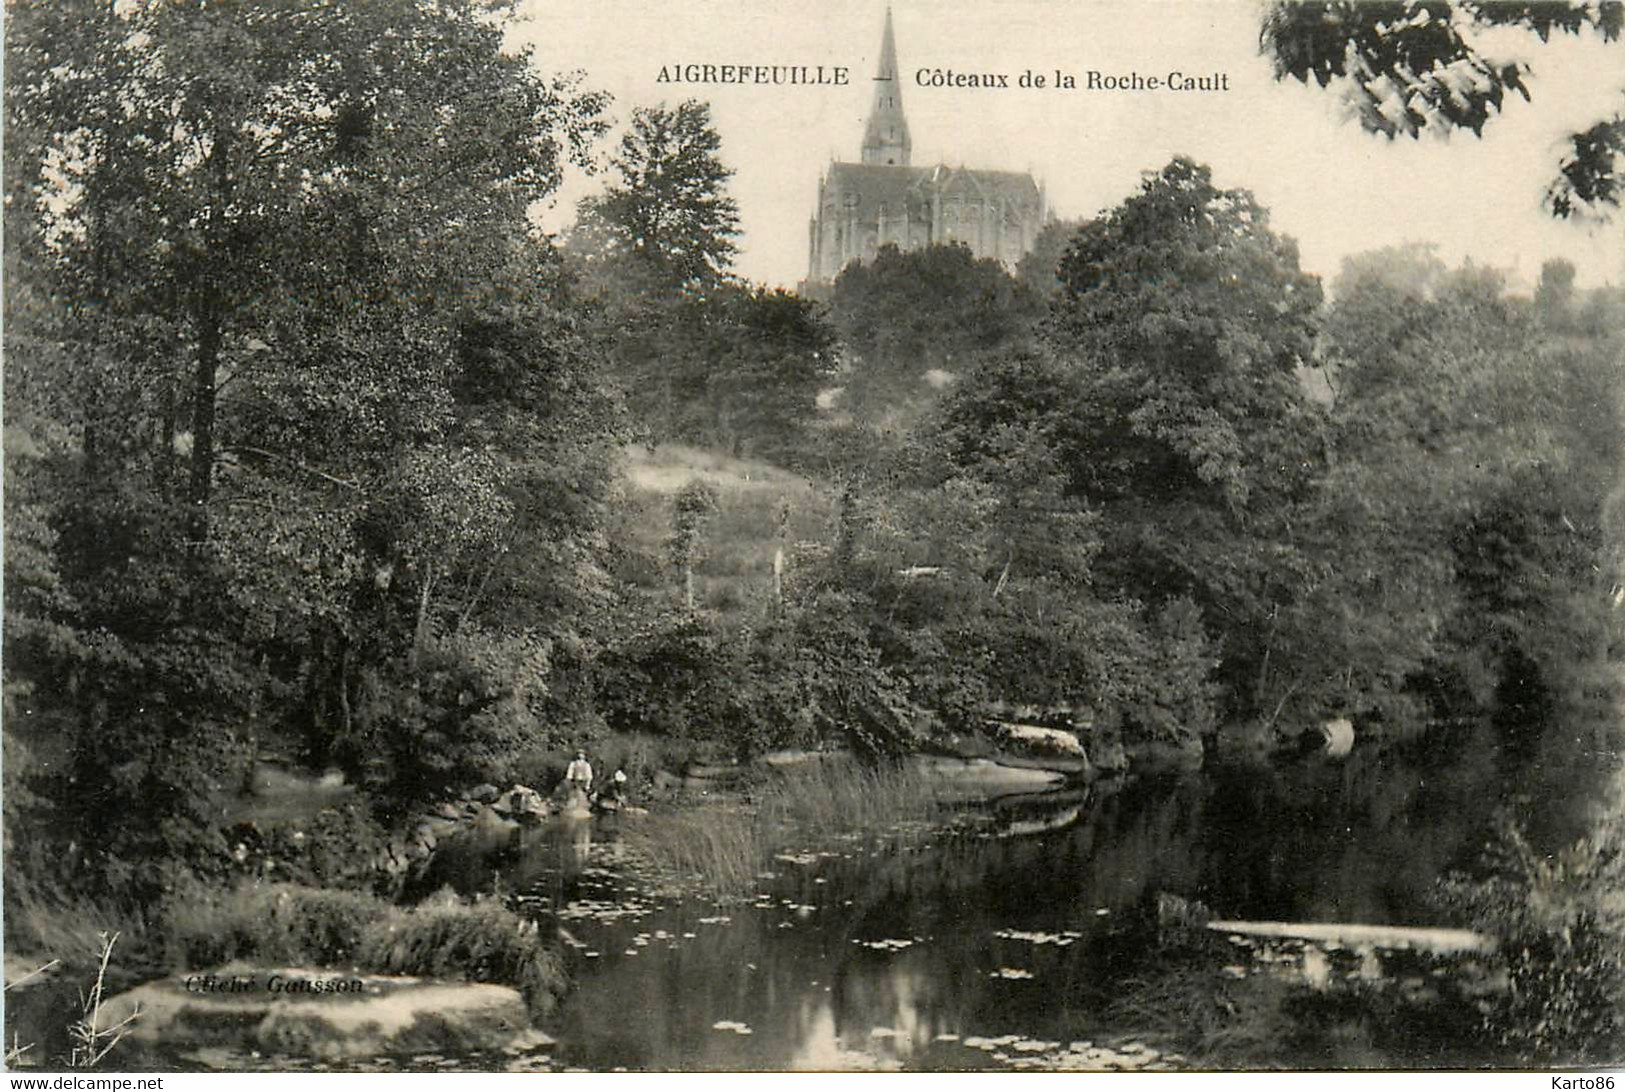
(724, 851)
(843, 796)
(719, 850)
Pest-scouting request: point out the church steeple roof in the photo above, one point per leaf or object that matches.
(885, 138)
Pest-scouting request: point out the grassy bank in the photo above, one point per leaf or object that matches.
(289, 925)
(760, 509)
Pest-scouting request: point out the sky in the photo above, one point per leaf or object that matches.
(1334, 188)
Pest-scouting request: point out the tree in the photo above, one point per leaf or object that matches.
(1407, 65)
(1554, 295)
(692, 509)
(760, 357)
(670, 210)
(908, 318)
(1189, 317)
(256, 236)
(1182, 322)
(1040, 268)
(204, 147)
(1474, 450)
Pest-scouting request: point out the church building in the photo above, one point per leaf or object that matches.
(884, 198)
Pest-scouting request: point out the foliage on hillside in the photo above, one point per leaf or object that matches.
(288, 380)
(314, 447)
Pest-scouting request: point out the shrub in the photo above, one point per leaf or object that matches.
(337, 846)
(483, 942)
(458, 715)
(1561, 930)
(47, 922)
(278, 923)
(444, 937)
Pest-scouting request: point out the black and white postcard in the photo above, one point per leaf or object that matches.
(767, 536)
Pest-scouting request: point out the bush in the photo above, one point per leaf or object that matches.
(48, 922)
(292, 925)
(669, 676)
(482, 942)
(459, 715)
(1561, 929)
(278, 923)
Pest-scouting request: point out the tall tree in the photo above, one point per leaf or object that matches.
(670, 209)
(1184, 318)
(1040, 268)
(256, 233)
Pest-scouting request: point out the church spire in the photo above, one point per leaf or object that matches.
(886, 139)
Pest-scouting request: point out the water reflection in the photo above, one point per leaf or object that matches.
(1012, 935)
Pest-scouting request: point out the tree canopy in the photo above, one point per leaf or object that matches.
(907, 315)
(1408, 65)
(669, 207)
(289, 368)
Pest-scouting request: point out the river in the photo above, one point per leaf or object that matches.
(1015, 936)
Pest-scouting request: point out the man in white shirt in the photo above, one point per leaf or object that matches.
(578, 775)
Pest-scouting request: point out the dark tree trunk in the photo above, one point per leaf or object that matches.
(164, 457)
(203, 397)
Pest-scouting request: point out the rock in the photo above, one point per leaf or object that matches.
(449, 810)
(1039, 824)
(484, 794)
(487, 823)
(792, 757)
(1041, 741)
(1438, 941)
(966, 746)
(440, 828)
(978, 776)
(319, 1014)
(1339, 736)
(711, 775)
(521, 801)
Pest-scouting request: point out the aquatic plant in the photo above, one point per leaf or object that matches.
(725, 850)
(719, 850)
(843, 795)
(1214, 1022)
